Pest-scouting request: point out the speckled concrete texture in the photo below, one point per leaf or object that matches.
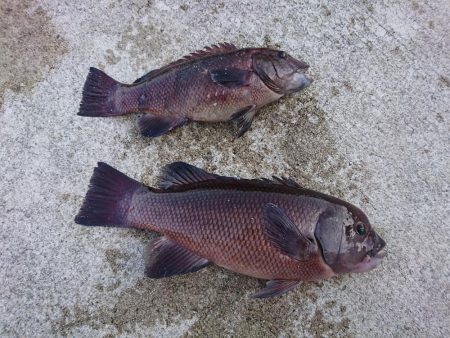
(374, 128)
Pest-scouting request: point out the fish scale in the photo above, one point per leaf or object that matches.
(223, 224)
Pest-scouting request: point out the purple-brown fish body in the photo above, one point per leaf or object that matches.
(220, 83)
(273, 230)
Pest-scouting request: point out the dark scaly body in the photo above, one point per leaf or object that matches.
(219, 83)
(187, 91)
(270, 229)
(225, 226)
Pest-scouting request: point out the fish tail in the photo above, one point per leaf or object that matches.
(99, 95)
(109, 198)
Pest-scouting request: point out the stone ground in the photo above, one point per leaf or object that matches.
(373, 129)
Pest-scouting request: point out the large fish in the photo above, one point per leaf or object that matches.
(269, 229)
(219, 83)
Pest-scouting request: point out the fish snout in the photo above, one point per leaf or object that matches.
(378, 248)
(307, 80)
(379, 244)
(304, 81)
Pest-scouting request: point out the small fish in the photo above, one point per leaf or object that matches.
(269, 229)
(219, 83)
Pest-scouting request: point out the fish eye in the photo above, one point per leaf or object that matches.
(282, 55)
(361, 228)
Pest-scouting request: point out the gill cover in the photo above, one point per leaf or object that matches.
(348, 242)
(329, 232)
(263, 66)
(280, 72)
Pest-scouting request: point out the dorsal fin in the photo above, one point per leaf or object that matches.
(207, 51)
(285, 181)
(281, 181)
(180, 173)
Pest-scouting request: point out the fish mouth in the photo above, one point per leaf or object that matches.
(299, 80)
(370, 261)
(378, 249)
(306, 80)
(377, 254)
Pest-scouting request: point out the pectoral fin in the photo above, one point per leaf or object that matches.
(231, 77)
(244, 119)
(284, 235)
(165, 258)
(276, 288)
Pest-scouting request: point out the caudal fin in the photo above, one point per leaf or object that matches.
(108, 198)
(98, 95)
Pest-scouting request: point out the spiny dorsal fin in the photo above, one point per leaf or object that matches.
(282, 181)
(286, 181)
(207, 51)
(180, 173)
(220, 48)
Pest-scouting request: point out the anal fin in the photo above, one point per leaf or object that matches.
(276, 287)
(154, 126)
(165, 258)
(244, 119)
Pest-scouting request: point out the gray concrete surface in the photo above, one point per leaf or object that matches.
(373, 129)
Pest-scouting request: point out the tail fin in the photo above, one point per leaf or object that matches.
(108, 198)
(98, 95)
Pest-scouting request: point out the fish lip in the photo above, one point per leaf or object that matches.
(380, 254)
(306, 81)
(307, 78)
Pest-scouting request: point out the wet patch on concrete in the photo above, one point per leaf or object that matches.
(218, 299)
(142, 45)
(30, 45)
(444, 81)
(321, 327)
(115, 258)
(70, 319)
(268, 42)
(301, 147)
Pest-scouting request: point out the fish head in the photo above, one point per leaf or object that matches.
(280, 72)
(348, 241)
